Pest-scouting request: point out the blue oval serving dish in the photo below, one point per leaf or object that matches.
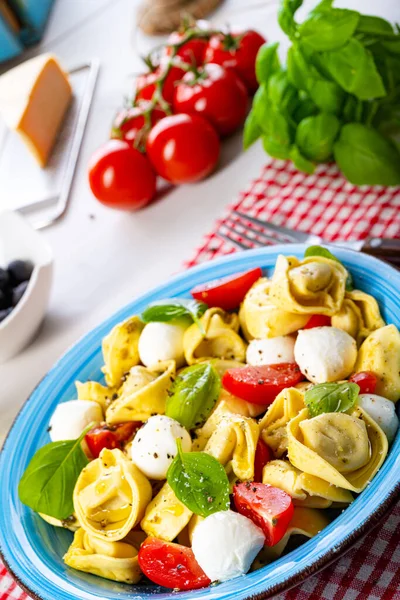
(33, 550)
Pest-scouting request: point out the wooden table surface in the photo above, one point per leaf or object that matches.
(104, 258)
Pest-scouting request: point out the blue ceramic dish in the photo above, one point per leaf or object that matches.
(33, 550)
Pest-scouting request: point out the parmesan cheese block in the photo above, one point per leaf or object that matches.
(34, 97)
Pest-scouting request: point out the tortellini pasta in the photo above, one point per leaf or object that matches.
(165, 516)
(120, 350)
(110, 496)
(117, 561)
(314, 285)
(261, 318)
(380, 353)
(219, 340)
(358, 316)
(95, 392)
(143, 393)
(285, 407)
(346, 450)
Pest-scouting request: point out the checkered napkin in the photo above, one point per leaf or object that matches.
(326, 205)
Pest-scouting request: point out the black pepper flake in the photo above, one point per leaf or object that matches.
(155, 455)
(114, 396)
(49, 428)
(261, 382)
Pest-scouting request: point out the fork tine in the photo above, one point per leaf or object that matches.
(295, 236)
(243, 235)
(263, 235)
(231, 241)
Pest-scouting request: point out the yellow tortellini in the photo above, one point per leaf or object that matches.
(143, 393)
(358, 316)
(306, 490)
(95, 392)
(305, 521)
(110, 496)
(117, 561)
(219, 340)
(120, 350)
(261, 318)
(314, 285)
(165, 516)
(285, 407)
(346, 450)
(380, 353)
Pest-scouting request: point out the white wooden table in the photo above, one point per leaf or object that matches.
(104, 258)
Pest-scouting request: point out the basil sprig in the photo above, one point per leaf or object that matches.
(199, 482)
(48, 483)
(175, 308)
(331, 397)
(193, 395)
(320, 251)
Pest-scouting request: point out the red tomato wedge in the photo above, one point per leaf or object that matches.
(229, 292)
(261, 385)
(317, 321)
(262, 456)
(268, 507)
(171, 565)
(366, 380)
(110, 436)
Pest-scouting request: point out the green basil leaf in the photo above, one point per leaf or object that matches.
(298, 68)
(331, 397)
(261, 105)
(252, 130)
(267, 62)
(282, 94)
(286, 14)
(175, 308)
(366, 157)
(375, 26)
(328, 29)
(327, 95)
(315, 136)
(321, 251)
(48, 483)
(352, 66)
(305, 108)
(277, 133)
(301, 162)
(199, 481)
(193, 395)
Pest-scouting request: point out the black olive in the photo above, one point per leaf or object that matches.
(5, 301)
(18, 292)
(19, 271)
(4, 313)
(4, 279)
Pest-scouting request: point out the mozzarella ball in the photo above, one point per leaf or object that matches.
(70, 419)
(154, 446)
(325, 354)
(162, 341)
(382, 411)
(225, 545)
(270, 351)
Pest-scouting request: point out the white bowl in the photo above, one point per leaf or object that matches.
(19, 241)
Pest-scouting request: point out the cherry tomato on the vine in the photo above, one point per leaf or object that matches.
(146, 84)
(121, 177)
(191, 52)
(237, 51)
(215, 93)
(133, 124)
(110, 436)
(366, 380)
(226, 293)
(183, 148)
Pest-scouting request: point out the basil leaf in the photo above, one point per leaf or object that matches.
(366, 157)
(199, 481)
(297, 67)
(352, 66)
(301, 162)
(176, 308)
(267, 62)
(331, 397)
(374, 26)
(321, 251)
(316, 135)
(305, 108)
(193, 395)
(252, 130)
(48, 483)
(261, 105)
(277, 138)
(282, 94)
(328, 29)
(286, 13)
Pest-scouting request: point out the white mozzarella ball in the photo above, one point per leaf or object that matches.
(154, 446)
(382, 411)
(162, 341)
(325, 354)
(270, 351)
(225, 545)
(70, 419)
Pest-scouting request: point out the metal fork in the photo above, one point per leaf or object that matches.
(245, 232)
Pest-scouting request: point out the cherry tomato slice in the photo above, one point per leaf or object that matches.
(318, 321)
(110, 436)
(261, 385)
(229, 292)
(171, 565)
(268, 507)
(366, 380)
(262, 456)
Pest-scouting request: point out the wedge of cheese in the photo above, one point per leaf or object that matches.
(34, 97)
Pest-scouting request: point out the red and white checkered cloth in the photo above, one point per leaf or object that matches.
(323, 204)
